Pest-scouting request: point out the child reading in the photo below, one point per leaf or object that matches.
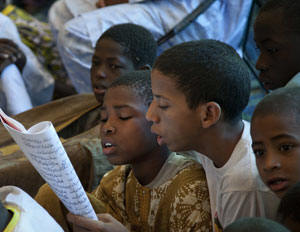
(276, 139)
(200, 89)
(277, 35)
(151, 189)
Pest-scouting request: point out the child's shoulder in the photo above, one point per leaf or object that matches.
(181, 170)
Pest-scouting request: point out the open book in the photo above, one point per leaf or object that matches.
(43, 148)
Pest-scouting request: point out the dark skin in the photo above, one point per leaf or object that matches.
(10, 53)
(205, 131)
(122, 117)
(279, 47)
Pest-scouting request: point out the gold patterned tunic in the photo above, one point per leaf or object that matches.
(176, 200)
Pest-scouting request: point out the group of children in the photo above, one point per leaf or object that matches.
(191, 104)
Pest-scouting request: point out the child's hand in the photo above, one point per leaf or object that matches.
(106, 223)
(103, 3)
(10, 53)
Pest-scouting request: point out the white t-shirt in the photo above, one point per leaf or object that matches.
(32, 216)
(236, 189)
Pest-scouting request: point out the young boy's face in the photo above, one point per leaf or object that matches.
(276, 145)
(108, 63)
(173, 121)
(279, 58)
(124, 131)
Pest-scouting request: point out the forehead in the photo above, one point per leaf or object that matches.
(164, 86)
(268, 24)
(275, 124)
(110, 47)
(123, 95)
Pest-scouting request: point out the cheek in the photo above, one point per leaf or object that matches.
(259, 165)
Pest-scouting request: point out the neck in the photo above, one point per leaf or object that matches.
(5, 217)
(146, 170)
(220, 142)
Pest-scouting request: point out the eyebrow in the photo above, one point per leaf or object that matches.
(122, 106)
(159, 96)
(283, 136)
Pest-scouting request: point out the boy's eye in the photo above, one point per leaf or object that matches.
(285, 147)
(125, 118)
(163, 107)
(258, 152)
(114, 66)
(272, 50)
(103, 119)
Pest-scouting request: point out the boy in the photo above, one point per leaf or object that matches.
(276, 139)
(277, 35)
(122, 48)
(151, 189)
(200, 89)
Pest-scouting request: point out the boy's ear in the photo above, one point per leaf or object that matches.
(146, 67)
(210, 113)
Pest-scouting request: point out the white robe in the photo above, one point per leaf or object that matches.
(224, 20)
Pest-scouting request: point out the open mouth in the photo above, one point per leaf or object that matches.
(278, 184)
(108, 148)
(100, 91)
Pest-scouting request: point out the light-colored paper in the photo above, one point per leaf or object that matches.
(44, 150)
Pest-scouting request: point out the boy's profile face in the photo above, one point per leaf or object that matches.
(125, 133)
(279, 58)
(108, 63)
(173, 121)
(276, 145)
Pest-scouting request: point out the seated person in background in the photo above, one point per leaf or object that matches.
(276, 139)
(197, 105)
(15, 96)
(20, 213)
(151, 189)
(289, 208)
(39, 83)
(122, 48)
(223, 20)
(255, 225)
(277, 35)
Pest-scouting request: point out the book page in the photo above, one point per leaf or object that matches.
(43, 148)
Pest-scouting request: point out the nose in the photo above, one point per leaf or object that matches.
(107, 129)
(261, 63)
(271, 162)
(151, 115)
(101, 72)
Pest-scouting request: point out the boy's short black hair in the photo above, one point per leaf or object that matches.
(291, 12)
(139, 81)
(140, 45)
(257, 224)
(290, 204)
(208, 70)
(282, 102)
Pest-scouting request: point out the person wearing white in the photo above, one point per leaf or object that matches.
(14, 89)
(223, 20)
(28, 215)
(235, 189)
(38, 82)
